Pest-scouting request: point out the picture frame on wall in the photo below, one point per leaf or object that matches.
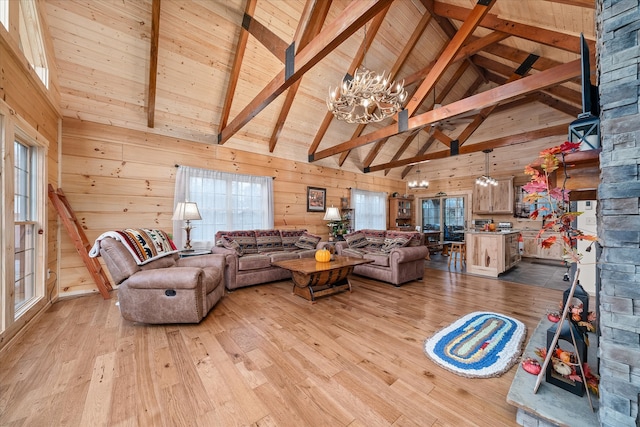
(316, 199)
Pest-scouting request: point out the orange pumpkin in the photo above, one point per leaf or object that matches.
(323, 255)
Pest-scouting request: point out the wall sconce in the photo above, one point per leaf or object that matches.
(187, 211)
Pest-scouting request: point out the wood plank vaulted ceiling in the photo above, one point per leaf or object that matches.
(215, 72)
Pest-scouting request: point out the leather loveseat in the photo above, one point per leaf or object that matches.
(398, 256)
(249, 254)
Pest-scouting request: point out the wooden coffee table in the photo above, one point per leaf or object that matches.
(312, 279)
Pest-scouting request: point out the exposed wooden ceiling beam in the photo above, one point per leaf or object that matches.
(506, 141)
(520, 87)
(435, 132)
(541, 97)
(313, 16)
(520, 72)
(153, 62)
(237, 64)
(355, 15)
(559, 91)
(528, 32)
(446, 26)
(466, 29)
(267, 38)
(466, 51)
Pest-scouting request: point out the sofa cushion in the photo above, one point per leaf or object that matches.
(308, 241)
(229, 243)
(415, 236)
(397, 242)
(353, 252)
(305, 253)
(289, 238)
(253, 262)
(356, 240)
(268, 240)
(282, 256)
(379, 258)
(246, 239)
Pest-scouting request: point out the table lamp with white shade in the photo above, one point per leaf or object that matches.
(187, 211)
(332, 214)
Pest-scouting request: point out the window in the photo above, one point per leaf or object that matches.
(27, 22)
(4, 14)
(370, 209)
(31, 40)
(25, 221)
(22, 244)
(226, 201)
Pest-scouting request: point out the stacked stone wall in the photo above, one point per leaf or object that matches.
(619, 211)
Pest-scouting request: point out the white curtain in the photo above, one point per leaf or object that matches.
(226, 201)
(369, 209)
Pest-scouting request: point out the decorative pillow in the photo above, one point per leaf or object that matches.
(398, 242)
(290, 237)
(374, 237)
(356, 240)
(308, 241)
(268, 240)
(415, 237)
(229, 243)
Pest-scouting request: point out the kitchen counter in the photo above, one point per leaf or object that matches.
(510, 231)
(490, 253)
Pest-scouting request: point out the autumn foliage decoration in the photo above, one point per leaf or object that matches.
(553, 202)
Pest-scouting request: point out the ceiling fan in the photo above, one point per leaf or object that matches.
(452, 123)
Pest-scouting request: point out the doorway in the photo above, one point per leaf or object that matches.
(446, 214)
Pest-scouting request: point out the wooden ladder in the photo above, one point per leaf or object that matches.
(79, 238)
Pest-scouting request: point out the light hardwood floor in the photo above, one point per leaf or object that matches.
(265, 357)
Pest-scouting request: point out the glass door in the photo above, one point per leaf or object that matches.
(446, 215)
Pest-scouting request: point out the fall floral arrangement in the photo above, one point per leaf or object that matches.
(552, 204)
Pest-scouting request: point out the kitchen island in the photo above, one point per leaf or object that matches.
(490, 253)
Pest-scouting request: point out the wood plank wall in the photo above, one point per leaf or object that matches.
(118, 178)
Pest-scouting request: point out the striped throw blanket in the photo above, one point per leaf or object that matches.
(144, 244)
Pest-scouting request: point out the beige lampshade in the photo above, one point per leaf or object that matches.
(332, 214)
(186, 211)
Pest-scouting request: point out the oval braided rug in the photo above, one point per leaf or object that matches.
(478, 345)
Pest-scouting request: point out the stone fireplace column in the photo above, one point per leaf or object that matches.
(618, 50)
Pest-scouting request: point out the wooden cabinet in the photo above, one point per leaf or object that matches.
(532, 248)
(401, 213)
(489, 254)
(494, 199)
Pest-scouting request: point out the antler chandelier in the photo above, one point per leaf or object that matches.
(366, 98)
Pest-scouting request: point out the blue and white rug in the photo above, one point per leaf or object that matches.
(478, 345)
